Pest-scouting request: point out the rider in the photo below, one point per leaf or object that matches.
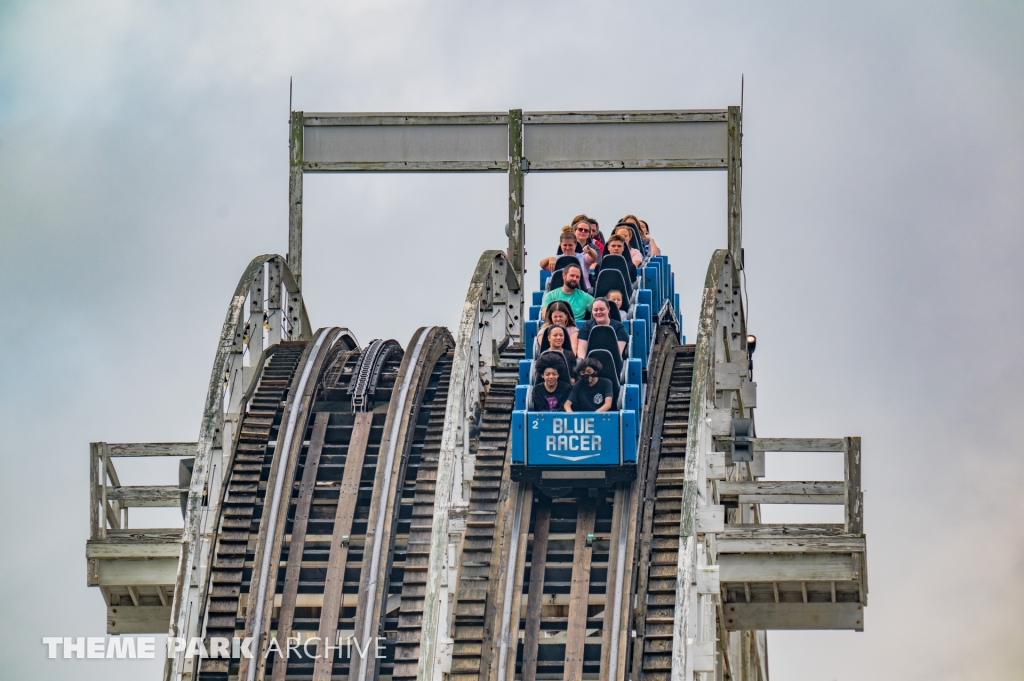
(578, 299)
(591, 392)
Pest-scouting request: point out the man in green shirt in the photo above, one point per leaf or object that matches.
(578, 299)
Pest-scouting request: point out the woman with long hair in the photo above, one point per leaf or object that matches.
(558, 312)
(556, 336)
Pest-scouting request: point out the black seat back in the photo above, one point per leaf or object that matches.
(560, 363)
(613, 312)
(542, 338)
(603, 338)
(611, 280)
(564, 260)
(622, 264)
(607, 360)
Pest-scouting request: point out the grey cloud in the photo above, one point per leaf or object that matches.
(882, 216)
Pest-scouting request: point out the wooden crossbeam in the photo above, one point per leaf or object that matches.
(783, 492)
(131, 449)
(791, 544)
(145, 496)
(790, 444)
(767, 616)
(806, 567)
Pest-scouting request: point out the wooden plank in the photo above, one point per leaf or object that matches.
(297, 542)
(754, 530)
(138, 619)
(295, 168)
(782, 492)
(311, 119)
(810, 567)
(617, 584)
(531, 633)
(767, 616)
(667, 116)
(791, 444)
(579, 591)
(343, 517)
(142, 550)
(95, 531)
(145, 496)
(854, 496)
(511, 598)
(151, 448)
(141, 572)
(837, 544)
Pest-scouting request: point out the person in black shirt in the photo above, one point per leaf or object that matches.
(549, 395)
(600, 317)
(590, 393)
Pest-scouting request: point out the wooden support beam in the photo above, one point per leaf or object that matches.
(836, 544)
(145, 496)
(298, 539)
(579, 591)
(782, 492)
(531, 633)
(768, 616)
(133, 449)
(343, 518)
(141, 619)
(853, 494)
(137, 572)
(809, 567)
(790, 444)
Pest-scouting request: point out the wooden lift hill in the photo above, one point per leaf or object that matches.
(341, 490)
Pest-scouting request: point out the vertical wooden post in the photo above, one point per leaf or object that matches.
(295, 199)
(735, 185)
(854, 499)
(94, 483)
(516, 222)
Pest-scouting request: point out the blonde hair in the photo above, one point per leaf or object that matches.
(582, 217)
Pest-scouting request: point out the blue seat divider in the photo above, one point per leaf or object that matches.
(538, 297)
(632, 401)
(535, 313)
(643, 297)
(630, 434)
(641, 338)
(524, 371)
(530, 331)
(634, 371)
(653, 283)
(676, 303)
(521, 397)
(519, 437)
(642, 313)
(638, 344)
(544, 276)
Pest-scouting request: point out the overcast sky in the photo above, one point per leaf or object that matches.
(143, 163)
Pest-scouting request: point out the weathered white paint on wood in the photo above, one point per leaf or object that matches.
(810, 567)
(767, 616)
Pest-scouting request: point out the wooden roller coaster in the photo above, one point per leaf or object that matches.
(340, 497)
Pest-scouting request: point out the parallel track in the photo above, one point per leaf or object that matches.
(659, 530)
(473, 627)
(245, 489)
(411, 556)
